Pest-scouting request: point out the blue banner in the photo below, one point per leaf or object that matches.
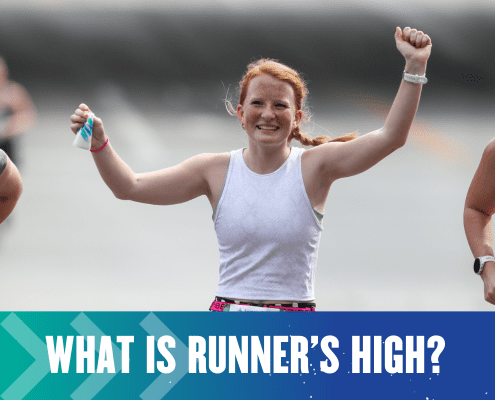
(202, 355)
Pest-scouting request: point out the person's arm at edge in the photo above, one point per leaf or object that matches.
(10, 189)
(478, 210)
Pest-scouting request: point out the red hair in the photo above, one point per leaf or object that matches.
(286, 74)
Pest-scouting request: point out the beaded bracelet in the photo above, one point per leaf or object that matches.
(101, 148)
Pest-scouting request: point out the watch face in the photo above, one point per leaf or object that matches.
(477, 265)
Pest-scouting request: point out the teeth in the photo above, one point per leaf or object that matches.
(268, 128)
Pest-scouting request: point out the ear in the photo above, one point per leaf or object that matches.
(240, 112)
(297, 118)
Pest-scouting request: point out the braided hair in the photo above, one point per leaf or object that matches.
(284, 73)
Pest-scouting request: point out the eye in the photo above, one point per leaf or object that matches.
(256, 102)
(282, 105)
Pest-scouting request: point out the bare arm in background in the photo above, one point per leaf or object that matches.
(478, 211)
(10, 186)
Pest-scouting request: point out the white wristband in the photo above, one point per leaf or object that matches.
(414, 78)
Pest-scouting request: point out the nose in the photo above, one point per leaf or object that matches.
(267, 113)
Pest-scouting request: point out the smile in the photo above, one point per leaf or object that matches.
(267, 128)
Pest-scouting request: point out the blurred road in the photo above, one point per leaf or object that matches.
(393, 237)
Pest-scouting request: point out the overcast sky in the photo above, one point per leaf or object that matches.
(386, 6)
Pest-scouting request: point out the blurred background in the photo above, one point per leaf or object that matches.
(157, 73)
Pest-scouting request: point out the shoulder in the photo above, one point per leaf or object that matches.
(15, 94)
(199, 165)
(3, 161)
(488, 158)
(209, 164)
(10, 179)
(483, 184)
(322, 158)
(15, 88)
(490, 149)
(213, 167)
(211, 160)
(218, 163)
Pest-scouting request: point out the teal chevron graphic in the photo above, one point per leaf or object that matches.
(34, 346)
(91, 386)
(162, 385)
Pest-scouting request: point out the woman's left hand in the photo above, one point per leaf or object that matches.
(414, 45)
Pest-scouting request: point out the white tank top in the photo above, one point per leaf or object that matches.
(268, 234)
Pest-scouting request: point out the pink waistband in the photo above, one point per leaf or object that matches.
(221, 305)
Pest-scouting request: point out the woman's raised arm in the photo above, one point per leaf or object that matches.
(173, 185)
(342, 159)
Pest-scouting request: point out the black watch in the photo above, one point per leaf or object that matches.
(480, 262)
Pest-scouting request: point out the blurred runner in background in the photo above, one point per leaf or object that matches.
(17, 113)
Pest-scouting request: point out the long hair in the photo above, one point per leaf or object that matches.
(286, 74)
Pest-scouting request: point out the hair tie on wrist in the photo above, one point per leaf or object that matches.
(101, 148)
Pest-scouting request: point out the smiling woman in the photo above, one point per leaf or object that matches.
(268, 199)
(267, 68)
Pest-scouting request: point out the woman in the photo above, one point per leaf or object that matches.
(268, 199)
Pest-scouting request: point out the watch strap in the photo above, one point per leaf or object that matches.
(479, 263)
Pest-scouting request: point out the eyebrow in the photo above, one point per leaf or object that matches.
(285, 101)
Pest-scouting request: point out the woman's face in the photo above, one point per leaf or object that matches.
(268, 112)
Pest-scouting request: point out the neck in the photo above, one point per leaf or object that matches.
(265, 160)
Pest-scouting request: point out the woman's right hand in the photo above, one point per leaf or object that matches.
(79, 118)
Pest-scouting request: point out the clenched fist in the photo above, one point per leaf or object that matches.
(79, 118)
(414, 45)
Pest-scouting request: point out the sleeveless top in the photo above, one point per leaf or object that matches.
(268, 234)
